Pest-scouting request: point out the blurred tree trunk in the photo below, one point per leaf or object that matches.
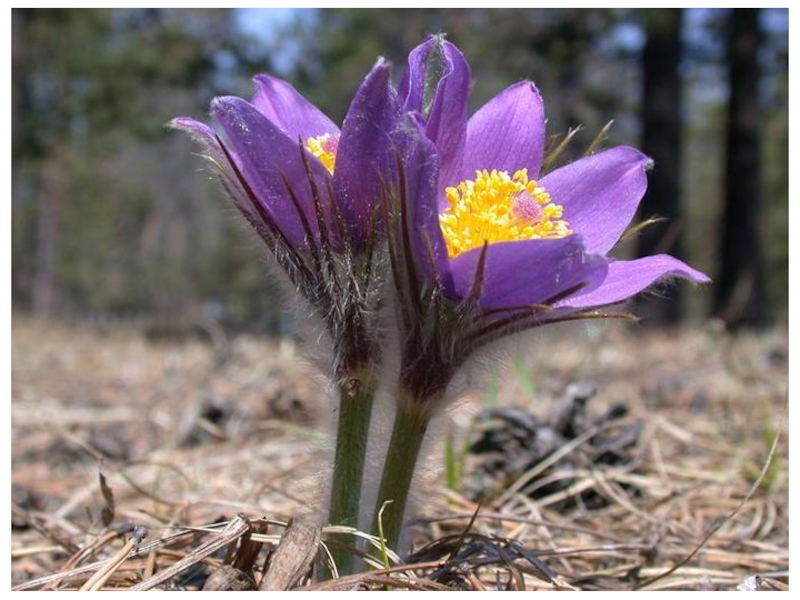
(52, 169)
(20, 92)
(47, 235)
(739, 297)
(662, 113)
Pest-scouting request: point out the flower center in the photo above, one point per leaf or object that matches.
(324, 147)
(494, 207)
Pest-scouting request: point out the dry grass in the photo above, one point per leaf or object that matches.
(210, 450)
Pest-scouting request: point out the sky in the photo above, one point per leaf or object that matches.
(263, 23)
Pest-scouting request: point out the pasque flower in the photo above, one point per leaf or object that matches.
(303, 178)
(484, 244)
(312, 192)
(538, 236)
(487, 227)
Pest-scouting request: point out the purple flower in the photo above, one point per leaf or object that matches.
(590, 202)
(292, 172)
(312, 192)
(505, 244)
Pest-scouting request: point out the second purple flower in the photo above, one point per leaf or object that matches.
(539, 239)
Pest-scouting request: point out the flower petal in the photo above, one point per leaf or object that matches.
(201, 133)
(288, 109)
(627, 278)
(212, 145)
(267, 156)
(446, 111)
(421, 169)
(528, 272)
(600, 194)
(508, 132)
(215, 153)
(412, 84)
(366, 152)
(197, 129)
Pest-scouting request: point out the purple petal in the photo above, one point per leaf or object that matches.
(421, 168)
(508, 132)
(204, 135)
(412, 83)
(528, 272)
(197, 129)
(266, 156)
(285, 107)
(627, 278)
(366, 152)
(446, 117)
(227, 173)
(600, 194)
(212, 145)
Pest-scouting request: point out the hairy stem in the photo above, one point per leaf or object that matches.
(355, 409)
(410, 424)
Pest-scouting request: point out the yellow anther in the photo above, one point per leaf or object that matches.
(494, 207)
(324, 147)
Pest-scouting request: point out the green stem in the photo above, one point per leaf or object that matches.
(355, 408)
(410, 424)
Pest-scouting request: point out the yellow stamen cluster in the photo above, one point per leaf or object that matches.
(324, 148)
(497, 208)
